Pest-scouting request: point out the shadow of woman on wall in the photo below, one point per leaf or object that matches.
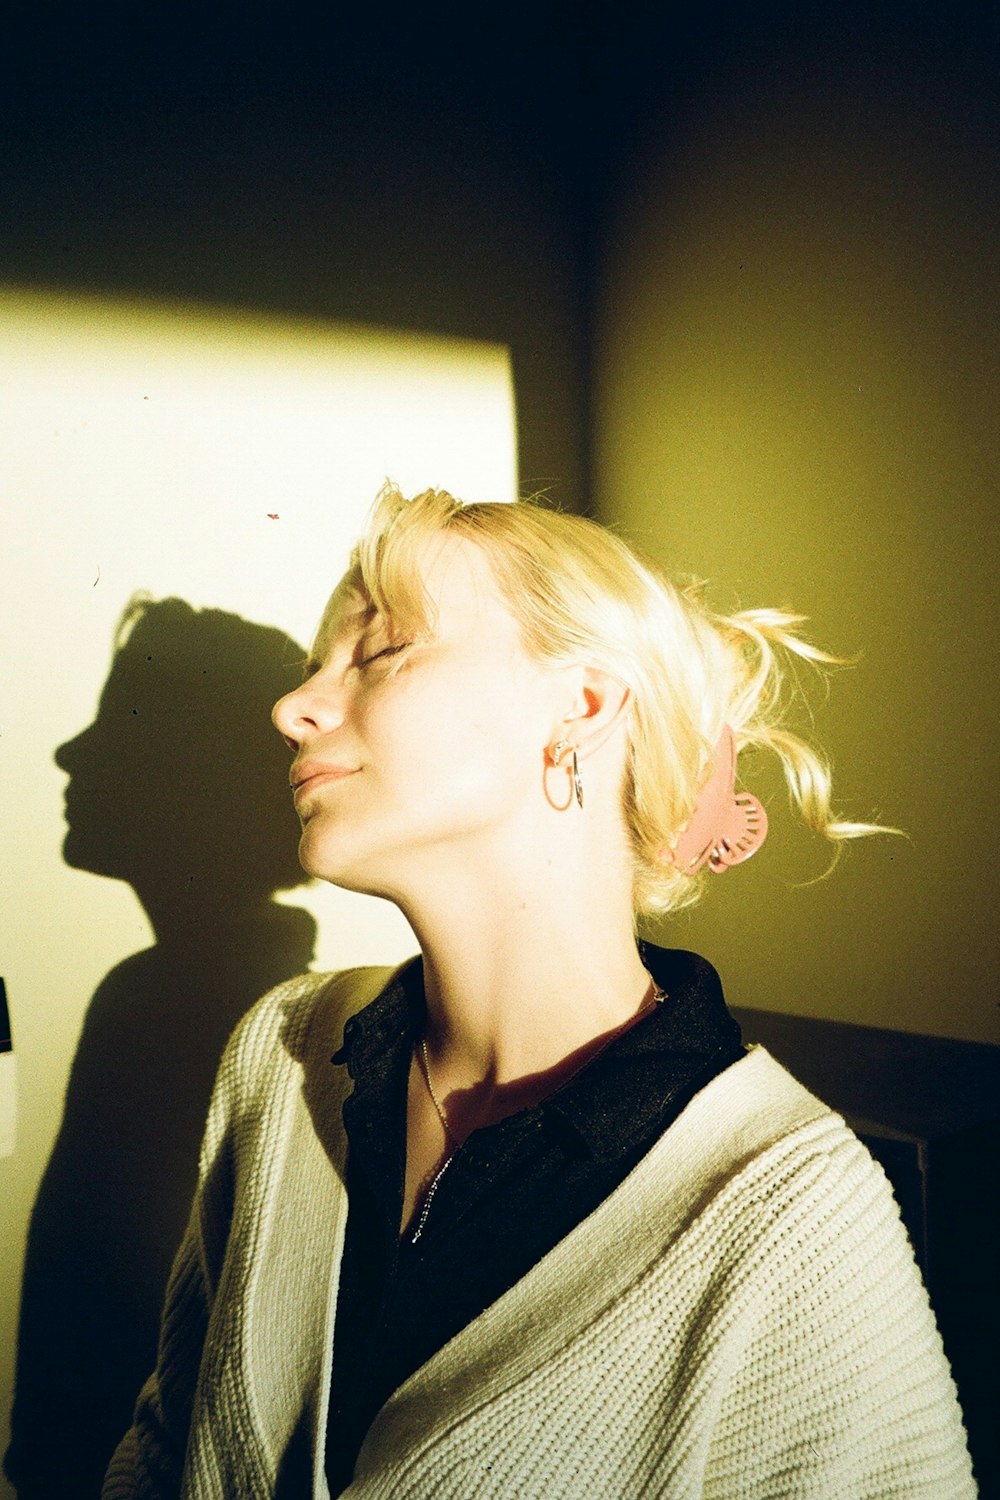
(180, 787)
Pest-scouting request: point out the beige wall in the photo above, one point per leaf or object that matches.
(796, 398)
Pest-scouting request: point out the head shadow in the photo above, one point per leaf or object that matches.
(180, 788)
(180, 784)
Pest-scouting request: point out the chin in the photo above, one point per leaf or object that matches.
(329, 859)
(320, 858)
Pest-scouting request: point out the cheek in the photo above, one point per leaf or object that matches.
(474, 720)
(450, 757)
(493, 748)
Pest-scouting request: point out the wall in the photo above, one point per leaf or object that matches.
(796, 360)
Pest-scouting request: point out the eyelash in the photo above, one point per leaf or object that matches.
(386, 651)
(310, 667)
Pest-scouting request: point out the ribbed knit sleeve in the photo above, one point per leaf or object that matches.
(837, 1385)
(149, 1462)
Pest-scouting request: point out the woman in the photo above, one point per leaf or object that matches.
(522, 1219)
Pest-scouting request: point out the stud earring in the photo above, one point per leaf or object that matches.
(559, 750)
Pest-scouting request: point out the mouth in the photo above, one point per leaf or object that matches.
(307, 777)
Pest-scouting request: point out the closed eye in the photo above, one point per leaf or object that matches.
(385, 652)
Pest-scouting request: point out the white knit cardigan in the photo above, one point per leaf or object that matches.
(741, 1319)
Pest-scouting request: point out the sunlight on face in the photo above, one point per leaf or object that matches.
(416, 759)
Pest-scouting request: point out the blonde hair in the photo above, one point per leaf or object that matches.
(580, 593)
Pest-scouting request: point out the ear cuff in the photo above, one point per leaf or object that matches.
(726, 826)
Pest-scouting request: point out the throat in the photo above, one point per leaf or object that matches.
(439, 1119)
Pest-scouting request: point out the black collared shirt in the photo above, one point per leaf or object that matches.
(512, 1191)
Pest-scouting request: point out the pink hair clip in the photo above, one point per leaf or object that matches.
(726, 826)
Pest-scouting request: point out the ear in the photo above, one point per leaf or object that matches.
(599, 705)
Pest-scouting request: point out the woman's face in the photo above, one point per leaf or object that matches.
(414, 760)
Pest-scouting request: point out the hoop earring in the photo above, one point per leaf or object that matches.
(558, 751)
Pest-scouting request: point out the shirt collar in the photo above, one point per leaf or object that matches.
(395, 1016)
(615, 1100)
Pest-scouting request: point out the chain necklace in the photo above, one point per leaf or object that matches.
(426, 1069)
(654, 996)
(425, 1207)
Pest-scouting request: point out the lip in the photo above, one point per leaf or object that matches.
(313, 773)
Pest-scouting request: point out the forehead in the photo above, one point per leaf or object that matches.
(452, 588)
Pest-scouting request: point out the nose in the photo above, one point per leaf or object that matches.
(313, 708)
(67, 757)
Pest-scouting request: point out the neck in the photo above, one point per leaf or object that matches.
(522, 978)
